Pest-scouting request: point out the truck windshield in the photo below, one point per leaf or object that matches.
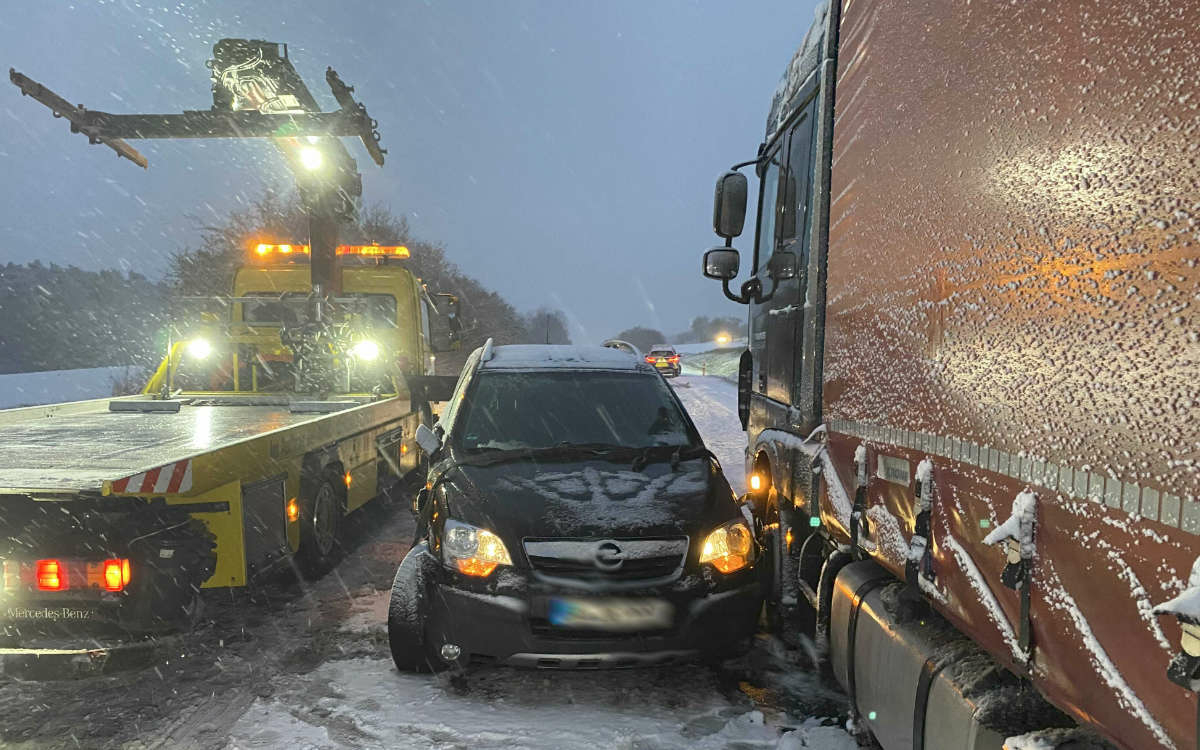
(290, 309)
(534, 410)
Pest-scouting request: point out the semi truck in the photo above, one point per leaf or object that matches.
(970, 388)
(118, 512)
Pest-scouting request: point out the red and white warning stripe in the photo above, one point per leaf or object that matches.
(169, 479)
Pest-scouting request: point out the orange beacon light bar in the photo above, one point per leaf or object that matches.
(268, 251)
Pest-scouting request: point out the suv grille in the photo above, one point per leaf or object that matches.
(607, 559)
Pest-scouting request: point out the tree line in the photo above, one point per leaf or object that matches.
(55, 318)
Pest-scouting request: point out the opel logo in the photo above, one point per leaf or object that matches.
(609, 556)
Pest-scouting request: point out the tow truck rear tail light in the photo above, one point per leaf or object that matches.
(116, 575)
(51, 576)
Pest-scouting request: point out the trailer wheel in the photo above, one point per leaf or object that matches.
(320, 529)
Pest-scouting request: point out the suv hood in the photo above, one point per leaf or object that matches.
(591, 498)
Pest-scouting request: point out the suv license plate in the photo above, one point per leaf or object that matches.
(610, 614)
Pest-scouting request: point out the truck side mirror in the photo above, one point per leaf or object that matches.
(729, 205)
(721, 263)
(782, 266)
(428, 440)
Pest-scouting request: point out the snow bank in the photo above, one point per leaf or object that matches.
(722, 363)
(57, 386)
(704, 347)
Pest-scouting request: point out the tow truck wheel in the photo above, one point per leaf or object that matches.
(320, 530)
(773, 560)
(406, 621)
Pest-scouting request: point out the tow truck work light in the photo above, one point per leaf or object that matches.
(366, 350)
(311, 158)
(199, 348)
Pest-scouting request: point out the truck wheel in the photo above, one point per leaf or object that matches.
(774, 564)
(320, 530)
(406, 621)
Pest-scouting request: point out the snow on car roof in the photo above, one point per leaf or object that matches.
(561, 356)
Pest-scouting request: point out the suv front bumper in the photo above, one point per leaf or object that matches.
(502, 626)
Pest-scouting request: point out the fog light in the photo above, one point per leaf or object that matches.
(755, 482)
(450, 652)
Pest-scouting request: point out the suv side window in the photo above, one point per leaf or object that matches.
(446, 420)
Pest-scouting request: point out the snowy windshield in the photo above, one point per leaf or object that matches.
(522, 410)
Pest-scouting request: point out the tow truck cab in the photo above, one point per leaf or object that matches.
(389, 297)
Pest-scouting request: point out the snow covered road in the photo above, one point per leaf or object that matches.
(306, 666)
(712, 404)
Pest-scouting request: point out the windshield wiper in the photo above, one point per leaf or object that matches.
(676, 454)
(562, 450)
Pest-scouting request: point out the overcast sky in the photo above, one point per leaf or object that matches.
(564, 152)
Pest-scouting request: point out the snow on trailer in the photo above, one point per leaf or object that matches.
(99, 450)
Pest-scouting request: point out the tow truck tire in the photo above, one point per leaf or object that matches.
(410, 649)
(321, 527)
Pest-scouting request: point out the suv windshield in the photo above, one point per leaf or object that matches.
(535, 410)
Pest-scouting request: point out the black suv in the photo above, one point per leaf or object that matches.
(572, 519)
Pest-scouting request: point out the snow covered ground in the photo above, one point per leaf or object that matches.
(56, 386)
(707, 346)
(712, 404)
(288, 664)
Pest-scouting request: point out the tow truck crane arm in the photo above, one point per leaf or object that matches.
(111, 129)
(257, 93)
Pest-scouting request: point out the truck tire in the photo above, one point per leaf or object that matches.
(320, 528)
(773, 568)
(406, 620)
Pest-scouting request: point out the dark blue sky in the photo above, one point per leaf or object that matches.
(563, 152)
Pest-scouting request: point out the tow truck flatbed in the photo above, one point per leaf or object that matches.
(94, 445)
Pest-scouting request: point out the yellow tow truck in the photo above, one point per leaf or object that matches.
(250, 444)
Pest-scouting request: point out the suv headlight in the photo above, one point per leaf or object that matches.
(730, 547)
(472, 551)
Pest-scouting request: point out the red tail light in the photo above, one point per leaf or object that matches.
(116, 575)
(650, 360)
(673, 360)
(51, 576)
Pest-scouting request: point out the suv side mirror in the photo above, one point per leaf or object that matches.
(782, 266)
(721, 263)
(428, 440)
(729, 205)
(420, 500)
